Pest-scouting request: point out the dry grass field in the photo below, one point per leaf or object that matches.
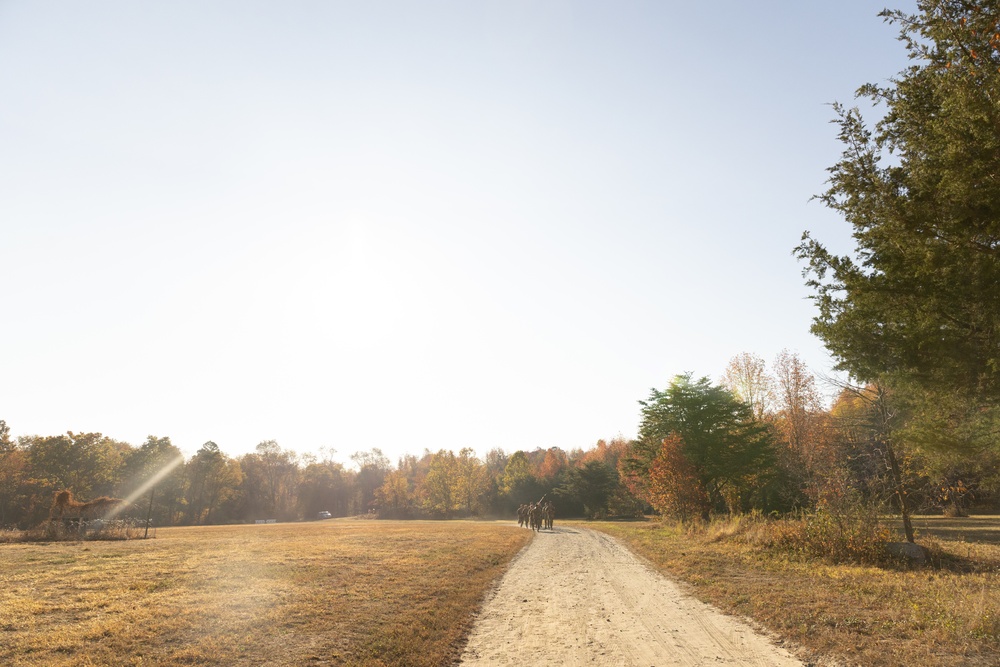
(332, 592)
(944, 613)
(353, 592)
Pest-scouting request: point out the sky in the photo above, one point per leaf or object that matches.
(408, 225)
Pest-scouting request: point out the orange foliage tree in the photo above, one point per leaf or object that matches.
(552, 465)
(674, 487)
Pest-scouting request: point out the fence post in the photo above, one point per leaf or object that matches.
(149, 512)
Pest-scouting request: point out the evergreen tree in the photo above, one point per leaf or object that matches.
(918, 298)
(731, 453)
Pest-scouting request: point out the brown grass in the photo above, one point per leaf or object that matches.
(978, 529)
(332, 592)
(58, 531)
(945, 613)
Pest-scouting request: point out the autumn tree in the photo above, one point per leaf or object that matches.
(496, 461)
(675, 486)
(325, 485)
(373, 466)
(870, 416)
(747, 379)
(270, 479)
(396, 496)
(88, 464)
(415, 468)
(213, 478)
(621, 501)
(732, 453)
(154, 472)
(518, 483)
(6, 444)
(552, 465)
(470, 481)
(797, 410)
(797, 400)
(440, 488)
(13, 480)
(494, 465)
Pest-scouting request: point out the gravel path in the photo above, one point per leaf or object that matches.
(578, 597)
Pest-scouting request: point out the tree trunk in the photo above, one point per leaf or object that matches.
(897, 482)
(885, 426)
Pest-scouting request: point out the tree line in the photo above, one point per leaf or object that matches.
(760, 440)
(275, 483)
(763, 441)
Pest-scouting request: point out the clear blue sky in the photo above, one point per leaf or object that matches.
(407, 225)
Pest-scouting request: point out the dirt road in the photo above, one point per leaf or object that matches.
(578, 597)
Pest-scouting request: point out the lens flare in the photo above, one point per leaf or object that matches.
(147, 485)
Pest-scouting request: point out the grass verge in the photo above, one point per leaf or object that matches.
(332, 592)
(944, 613)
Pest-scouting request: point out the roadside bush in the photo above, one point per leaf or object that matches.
(853, 534)
(850, 535)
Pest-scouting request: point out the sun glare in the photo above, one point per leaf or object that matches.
(147, 485)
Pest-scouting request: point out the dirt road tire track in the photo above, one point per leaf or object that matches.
(574, 596)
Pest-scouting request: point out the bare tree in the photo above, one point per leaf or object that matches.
(797, 401)
(746, 377)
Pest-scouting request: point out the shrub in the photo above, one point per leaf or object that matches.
(849, 535)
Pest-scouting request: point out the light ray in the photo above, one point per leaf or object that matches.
(146, 486)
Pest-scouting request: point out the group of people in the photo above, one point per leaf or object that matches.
(536, 515)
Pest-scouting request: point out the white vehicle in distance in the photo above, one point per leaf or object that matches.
(324, 515)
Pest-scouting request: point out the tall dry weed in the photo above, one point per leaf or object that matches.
(57, 531)
(854, 533)
(849, 535)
